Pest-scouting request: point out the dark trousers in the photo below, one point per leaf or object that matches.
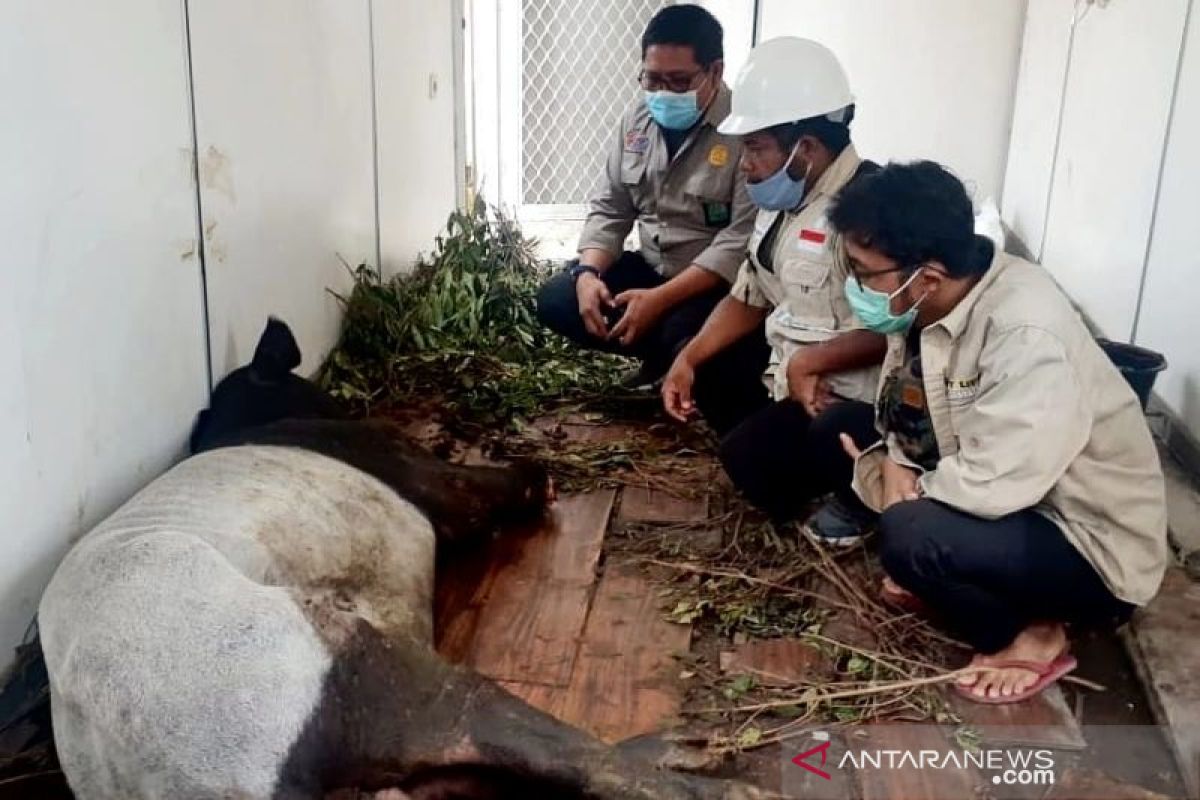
(780, 458)
(989, 579)
(729, 386)
(558, 310)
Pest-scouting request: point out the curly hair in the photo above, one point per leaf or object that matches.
(913, 213)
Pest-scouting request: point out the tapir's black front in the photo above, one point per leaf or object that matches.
(264, 403)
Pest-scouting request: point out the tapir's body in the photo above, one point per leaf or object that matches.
(256, 624)
(216, 601)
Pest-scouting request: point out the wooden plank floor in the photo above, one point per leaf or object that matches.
(521, 620)
(1077, 784)
(1041, 721)
(1163, 643)
(908, 782)
(776, 662)
(642, 504)
(626, 680)
(586, 642)
(532, 614)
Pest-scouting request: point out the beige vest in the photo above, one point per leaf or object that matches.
(804, 287)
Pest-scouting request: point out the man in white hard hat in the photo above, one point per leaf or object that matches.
(782, 366)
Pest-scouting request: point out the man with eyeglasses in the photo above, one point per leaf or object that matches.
(1018, 486)
(676, 176)
(783, 361)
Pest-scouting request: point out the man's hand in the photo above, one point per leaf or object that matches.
(642, 307)
(677, 390)
(807, 388)
(899, 482)
(594, 298)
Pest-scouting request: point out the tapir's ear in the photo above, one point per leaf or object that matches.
(277, 353)
(199, 428)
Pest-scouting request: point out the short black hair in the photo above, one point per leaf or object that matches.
(687, 25)
(834, 135)
(913, 213)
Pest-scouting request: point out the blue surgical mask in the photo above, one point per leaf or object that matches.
(780, 192)
(676, 111)
(874, 308)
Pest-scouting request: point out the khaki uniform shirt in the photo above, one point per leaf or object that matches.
(801, 281)
(691, 209)
(1029, 412)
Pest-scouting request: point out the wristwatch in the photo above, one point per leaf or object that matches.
(579, 269)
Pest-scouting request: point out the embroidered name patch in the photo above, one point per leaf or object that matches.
(962, 390)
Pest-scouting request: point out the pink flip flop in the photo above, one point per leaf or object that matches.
(1047, 671)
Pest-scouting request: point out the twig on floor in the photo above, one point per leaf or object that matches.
(741, 576)
(811, 696)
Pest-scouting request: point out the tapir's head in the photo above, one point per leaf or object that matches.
(263, 391)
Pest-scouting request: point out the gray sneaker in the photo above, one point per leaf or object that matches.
(838, 526)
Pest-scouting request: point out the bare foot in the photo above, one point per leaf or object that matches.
(1041, 642)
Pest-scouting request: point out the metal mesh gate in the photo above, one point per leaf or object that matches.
(579, 65)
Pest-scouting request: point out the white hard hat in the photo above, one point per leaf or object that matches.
(785, 80)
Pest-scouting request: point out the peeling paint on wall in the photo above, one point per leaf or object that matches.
(217, 175)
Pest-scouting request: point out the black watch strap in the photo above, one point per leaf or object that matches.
(579, 269)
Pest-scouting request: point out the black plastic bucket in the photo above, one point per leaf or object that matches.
(1139, 366)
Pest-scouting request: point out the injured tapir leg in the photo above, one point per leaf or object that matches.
(460, 501)
(394, 715)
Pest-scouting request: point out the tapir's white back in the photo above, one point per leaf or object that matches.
(188, 636)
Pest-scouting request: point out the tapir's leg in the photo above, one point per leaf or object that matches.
(460, 501)
(506, 730)
(396, 715)
(469, 501)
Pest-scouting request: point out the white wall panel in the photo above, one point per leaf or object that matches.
(1035, 119)
(101, 330)
(283, 115)
(1119, 87)
(933, 78)
(414, 80)
(1171, 302)
(737, 22)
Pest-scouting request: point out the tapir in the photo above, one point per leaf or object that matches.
(257, 623)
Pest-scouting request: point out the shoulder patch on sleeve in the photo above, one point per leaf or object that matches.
(636, 142)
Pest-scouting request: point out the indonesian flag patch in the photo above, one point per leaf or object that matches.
(811, 240)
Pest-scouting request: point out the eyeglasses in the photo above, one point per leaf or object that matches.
(653, 82)
(859, 274)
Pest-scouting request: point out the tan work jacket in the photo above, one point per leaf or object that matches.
(691, 209)
(1029, 412)
(804, 285)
